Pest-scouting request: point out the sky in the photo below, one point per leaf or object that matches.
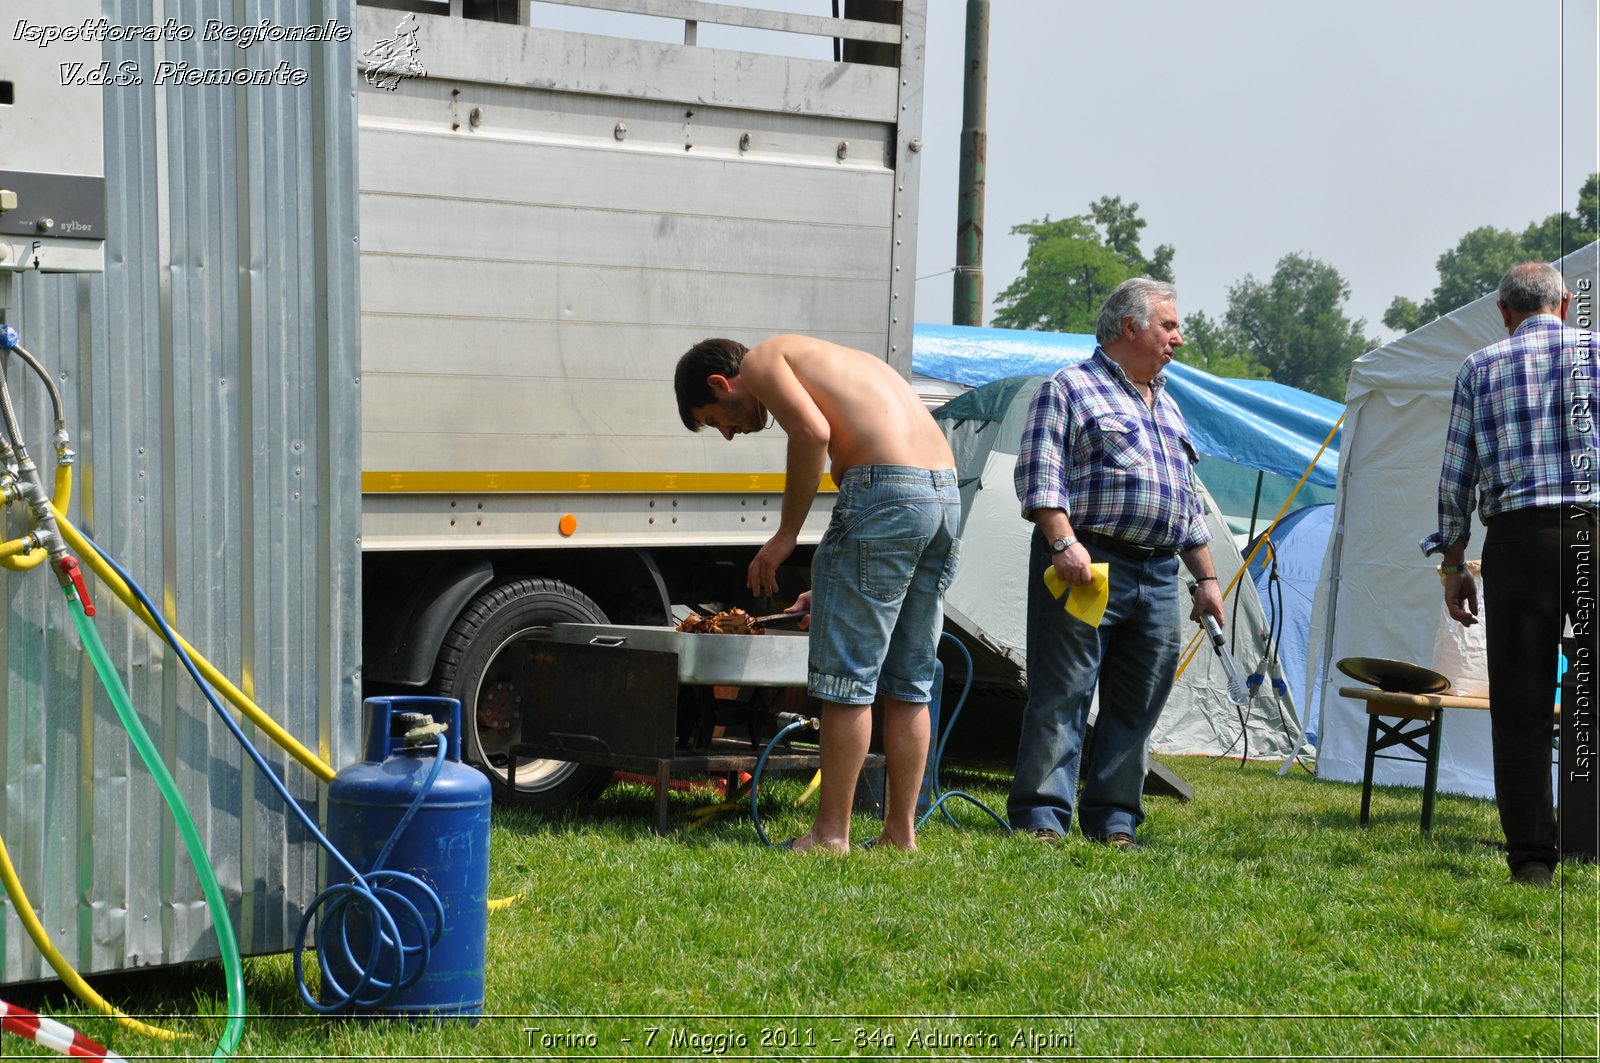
(1371, 135)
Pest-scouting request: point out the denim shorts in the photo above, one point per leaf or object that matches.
(877, 584)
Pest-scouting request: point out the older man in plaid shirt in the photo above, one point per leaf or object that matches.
(1105, 474)
(1521, 447)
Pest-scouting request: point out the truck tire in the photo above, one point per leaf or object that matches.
(478, 663)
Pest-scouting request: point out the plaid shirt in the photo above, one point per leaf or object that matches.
(1093, 449)
(1520, 410)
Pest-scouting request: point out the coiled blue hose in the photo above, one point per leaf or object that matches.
(360, 891)
(939, 799)
(340, 902)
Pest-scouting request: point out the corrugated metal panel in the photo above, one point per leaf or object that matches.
(210, 377)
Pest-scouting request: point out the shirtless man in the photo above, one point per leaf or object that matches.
(879, 574)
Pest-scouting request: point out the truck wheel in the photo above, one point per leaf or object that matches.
(479, 664)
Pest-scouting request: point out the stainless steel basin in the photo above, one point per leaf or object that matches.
(774, 659)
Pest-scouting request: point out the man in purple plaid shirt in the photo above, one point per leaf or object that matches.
(1105, 474)
(1521, 448)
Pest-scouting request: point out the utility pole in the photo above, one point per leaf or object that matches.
(967, 306)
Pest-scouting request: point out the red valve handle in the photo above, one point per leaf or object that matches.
(69, 565)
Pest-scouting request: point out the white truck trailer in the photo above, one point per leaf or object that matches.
(548, 219)
(363, 318)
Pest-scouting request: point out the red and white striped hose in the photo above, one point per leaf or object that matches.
(51, 1034)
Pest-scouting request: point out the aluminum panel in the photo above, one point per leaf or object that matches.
(549, 172)
(209, 377)
(717, 302)
(635, 350)
(492, 234)
(908, 182)
(560, 215)
(491, 114)
(530, 57)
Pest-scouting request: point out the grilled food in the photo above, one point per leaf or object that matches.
(733, 621)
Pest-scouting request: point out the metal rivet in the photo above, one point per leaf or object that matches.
(621, 132)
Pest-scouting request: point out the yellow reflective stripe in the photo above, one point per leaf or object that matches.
(517, 482)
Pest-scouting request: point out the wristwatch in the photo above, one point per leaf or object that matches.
(1058, 545)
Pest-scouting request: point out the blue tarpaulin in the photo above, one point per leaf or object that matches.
(1259, 424)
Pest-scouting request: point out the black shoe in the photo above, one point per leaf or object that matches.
(1532, 873)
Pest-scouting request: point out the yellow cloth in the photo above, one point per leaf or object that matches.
(1087, 601)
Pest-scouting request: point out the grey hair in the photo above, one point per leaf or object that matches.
(1531, 286)
(1131, 298)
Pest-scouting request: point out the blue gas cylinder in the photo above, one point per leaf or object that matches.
(443, 850)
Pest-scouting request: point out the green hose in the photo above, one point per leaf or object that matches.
(226, 941)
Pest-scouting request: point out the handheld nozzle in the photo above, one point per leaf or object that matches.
(1238, 692)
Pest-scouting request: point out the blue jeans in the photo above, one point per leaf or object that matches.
(878, 581)
(1133, 656)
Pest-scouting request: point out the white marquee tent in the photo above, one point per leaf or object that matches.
(1379, 596)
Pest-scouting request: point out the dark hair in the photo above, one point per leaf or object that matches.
(1531, 286)
(706, 358)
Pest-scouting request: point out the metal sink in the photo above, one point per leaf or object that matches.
(773, 659)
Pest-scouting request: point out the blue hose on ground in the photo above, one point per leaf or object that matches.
(761, 763)
(939, 798)
(383, 928)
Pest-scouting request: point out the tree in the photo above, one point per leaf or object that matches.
(1067, 275)
(1294, 325)
(1561, 234)
(1072, 266)
(1475, 265)
(1211, 346)
(1122, 226)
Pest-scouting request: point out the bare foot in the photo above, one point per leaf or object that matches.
(807, 843)
(883, 841)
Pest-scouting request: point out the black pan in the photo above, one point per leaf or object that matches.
(1396, 677)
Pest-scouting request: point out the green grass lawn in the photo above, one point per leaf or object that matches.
(1257, 921)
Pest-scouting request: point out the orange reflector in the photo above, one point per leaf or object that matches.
(569, 524)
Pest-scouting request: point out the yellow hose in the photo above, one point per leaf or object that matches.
(13, 547)
(251, 711)
(1194, 642)
(74, 981)
(23, 562)
(62, 499)
(35, 556)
